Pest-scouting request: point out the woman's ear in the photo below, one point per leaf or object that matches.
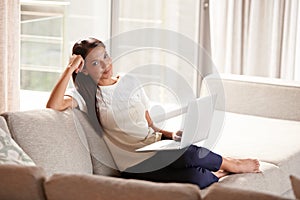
(84, 71)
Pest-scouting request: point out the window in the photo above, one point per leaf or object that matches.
(165, 70)
(177, 16)
(50, 28)
(48, 31)
(43, 49)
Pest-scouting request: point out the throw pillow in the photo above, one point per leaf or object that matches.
(296, 186)
(11, 153)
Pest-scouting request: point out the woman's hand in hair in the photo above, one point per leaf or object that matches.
(57, 99)
(76, 63)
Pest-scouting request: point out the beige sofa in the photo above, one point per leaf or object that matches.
(262, 121)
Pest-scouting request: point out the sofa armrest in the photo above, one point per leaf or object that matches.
(266, 97)
(76, 186)
(20, 182)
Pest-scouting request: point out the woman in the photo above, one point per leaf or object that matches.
(96, 93)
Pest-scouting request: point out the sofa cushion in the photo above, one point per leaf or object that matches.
(51, 139)
(271, 180)
(92, 187)
(103, 162)
(21, 182)
(217, 192)
(296, 186)
(272, 141)
(11, 153)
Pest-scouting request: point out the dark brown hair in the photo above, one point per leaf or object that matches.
(84, 84)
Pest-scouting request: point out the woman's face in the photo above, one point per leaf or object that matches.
(98, 64)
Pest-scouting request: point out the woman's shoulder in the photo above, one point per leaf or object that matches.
(127, 79)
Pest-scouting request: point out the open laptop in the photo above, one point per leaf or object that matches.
(196, 127)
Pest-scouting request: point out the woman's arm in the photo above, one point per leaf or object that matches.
(167, 134)
(57, 100)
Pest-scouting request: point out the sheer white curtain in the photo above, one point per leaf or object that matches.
(254, 37)
(9, 55)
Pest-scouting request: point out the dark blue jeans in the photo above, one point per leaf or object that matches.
(194, 165)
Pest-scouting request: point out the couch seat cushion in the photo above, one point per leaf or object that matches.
(274, 142)
(270, 140)
(217, 192)
(271, 180)
(77, 187)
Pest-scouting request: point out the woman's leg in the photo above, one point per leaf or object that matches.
(240, 165)
(195, 156)
(191, 157)
(199, 176)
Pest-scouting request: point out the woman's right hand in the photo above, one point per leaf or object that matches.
(57, 99)
(76, 63)
(177, 135)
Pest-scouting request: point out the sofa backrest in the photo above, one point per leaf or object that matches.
(103, 163)
(266, 97)
(51, 139)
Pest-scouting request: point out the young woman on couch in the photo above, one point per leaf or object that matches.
(91, 69)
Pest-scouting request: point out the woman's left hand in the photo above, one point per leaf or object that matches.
(177, 135)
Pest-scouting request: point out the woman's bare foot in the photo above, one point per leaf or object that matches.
(220, 173)
(240, 165)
